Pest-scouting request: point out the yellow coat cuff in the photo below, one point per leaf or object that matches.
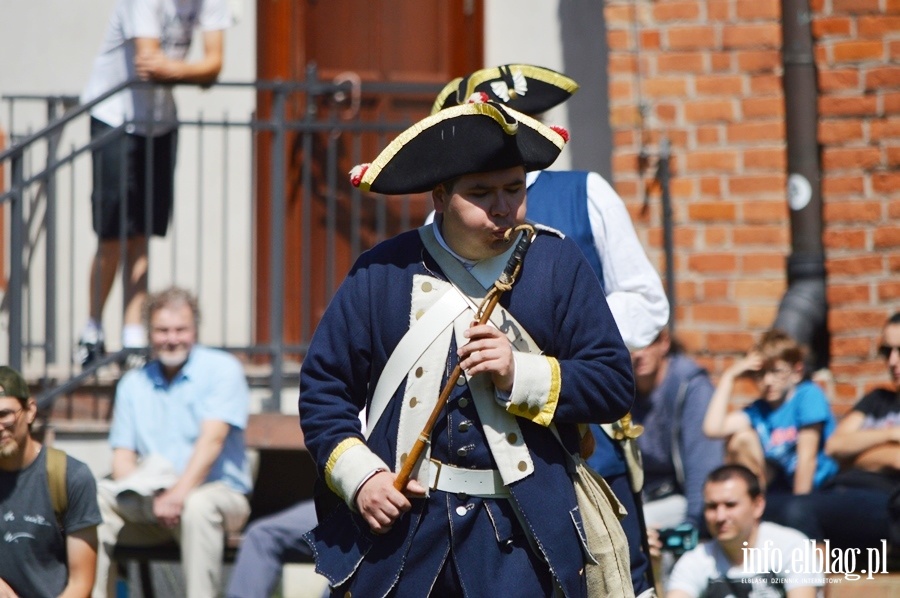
(535, 393)
(347, 467)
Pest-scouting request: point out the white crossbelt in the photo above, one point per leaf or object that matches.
(410, 348)
(484, 483)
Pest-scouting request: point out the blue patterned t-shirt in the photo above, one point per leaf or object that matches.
(779, 428)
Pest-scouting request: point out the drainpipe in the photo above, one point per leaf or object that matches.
(804, 309)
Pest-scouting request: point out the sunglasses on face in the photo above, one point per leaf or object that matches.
(887, 350)
(9, 416)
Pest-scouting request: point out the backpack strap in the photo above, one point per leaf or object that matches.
(56, 479)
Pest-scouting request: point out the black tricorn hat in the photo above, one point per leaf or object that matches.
(523, 87)
(476, 137)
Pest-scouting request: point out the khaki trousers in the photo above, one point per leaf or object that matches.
(210, 511)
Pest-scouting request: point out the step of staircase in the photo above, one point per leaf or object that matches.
(79, 422)
(87, 411)
(881, 586)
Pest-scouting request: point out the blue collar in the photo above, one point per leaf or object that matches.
(155, 372)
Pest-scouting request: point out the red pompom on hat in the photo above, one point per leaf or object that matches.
(479, 97)
(357, 172)
(563, 132)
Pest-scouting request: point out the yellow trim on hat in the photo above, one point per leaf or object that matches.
(388, 153)
(449, 89)
(532, 123)
(534, 72)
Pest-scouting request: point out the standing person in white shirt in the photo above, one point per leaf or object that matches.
(745, 558)
(147, 40)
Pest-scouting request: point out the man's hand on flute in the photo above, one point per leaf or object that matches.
(488, 350)
(381, 504)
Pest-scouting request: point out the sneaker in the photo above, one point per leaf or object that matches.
(90, 348)
(134, 336)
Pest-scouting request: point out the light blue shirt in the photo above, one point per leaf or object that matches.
(153, 416)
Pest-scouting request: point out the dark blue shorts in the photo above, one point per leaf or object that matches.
(124, 198)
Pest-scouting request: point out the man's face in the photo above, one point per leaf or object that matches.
(731, 515)
(14, 422)
(479, 210)
(172, 334)
(890, 349)
(647, 361)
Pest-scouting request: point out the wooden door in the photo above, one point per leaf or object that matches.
(365, 41)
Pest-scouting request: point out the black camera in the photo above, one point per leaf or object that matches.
(679, 539)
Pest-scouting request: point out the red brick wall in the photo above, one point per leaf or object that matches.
(708, 74)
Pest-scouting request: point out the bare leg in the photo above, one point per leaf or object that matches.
(136, 276)
(103, 275)
(744, 448)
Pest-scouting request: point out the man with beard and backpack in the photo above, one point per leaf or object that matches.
(48, 507)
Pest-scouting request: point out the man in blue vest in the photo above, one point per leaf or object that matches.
(586, 208)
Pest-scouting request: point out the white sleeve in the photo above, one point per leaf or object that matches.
(215, 15)
(142, 18)
(690, 573)
(634, 290)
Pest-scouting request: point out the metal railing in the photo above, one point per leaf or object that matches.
(239, 180)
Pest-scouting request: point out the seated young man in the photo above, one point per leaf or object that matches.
(48, 549)
(734, 562)
(851, 511)
(781, 436)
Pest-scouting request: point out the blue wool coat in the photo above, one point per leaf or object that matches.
(558, 300)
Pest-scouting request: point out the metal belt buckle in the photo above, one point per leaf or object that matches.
(437, 473)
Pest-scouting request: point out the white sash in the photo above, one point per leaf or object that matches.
(410, 348)
(441, 315)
